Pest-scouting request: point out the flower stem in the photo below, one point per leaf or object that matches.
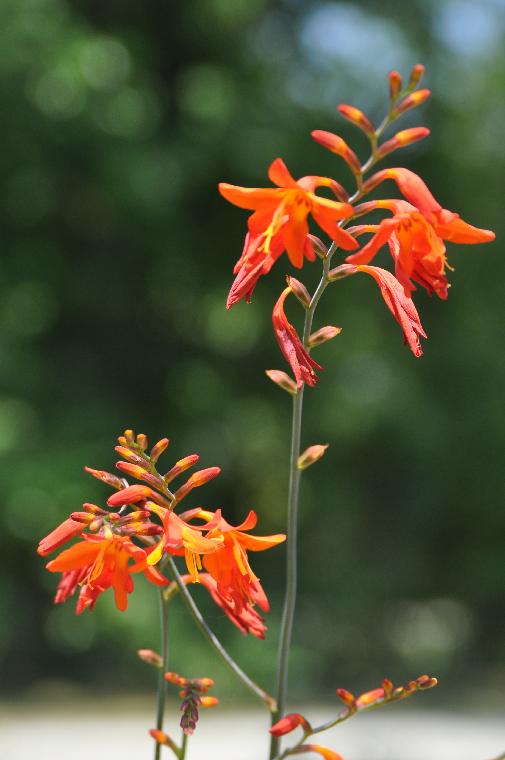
(184, 746)
(266, 698)
(292, 521)
(162, 684)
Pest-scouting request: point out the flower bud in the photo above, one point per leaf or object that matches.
(150, 657)
(299, 290)
(416, 75)
(107, 477)
(207, 701)
(93, 509)
(347, 698)
(134, 494)
(131, 469)
(82, 517)
(395, 84)
(369, 698)
(338, 146)
(288, 723)
(283, 380)
(387, 685)
(160, 737)
(318, 246)
(323, 334)
(197, 479)
(130, 456)
(344, 270)
(311, 455)
(142, 441)
(175, 678)
(129, 437)
(181, 466)
(158, 449)
(358, 118)
(402, 139)
(202, 684)
(411, 101)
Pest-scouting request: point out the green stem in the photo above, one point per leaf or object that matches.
(214, 641)
(184, 746)
(163, 605)
(292, 521)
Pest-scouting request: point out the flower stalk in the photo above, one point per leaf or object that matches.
(162, 684)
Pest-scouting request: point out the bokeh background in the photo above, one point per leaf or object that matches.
(118, 120)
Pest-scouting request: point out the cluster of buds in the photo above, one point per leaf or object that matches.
(139, 526)
(193, 695)
(415, 232)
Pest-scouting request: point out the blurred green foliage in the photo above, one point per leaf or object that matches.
(118, 120)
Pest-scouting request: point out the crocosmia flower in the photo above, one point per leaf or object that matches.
(416, 233)
(292, 348)
(280, 223)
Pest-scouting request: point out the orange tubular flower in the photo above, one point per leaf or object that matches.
(291, 346)
(60, 535)
(416, 233)
(288, 723)
(279, 223)
(99, 563)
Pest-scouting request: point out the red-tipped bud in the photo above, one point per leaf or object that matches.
(347, 698)
(142, 442)
(299, 290)
(107, 477)
(323, 334)
(129, 437)
(411, 101)
(416, 75)
(197, 479)
(93, 509)
(181, 466)
(338, 146)
(288, 723)
(131, 469)
(82, 517)
(150, 657)
(203, 684)
(369, 698)
(130, 456)
(395, 84)
(207, 701)
(158, 449)
(311, 455)
(344, 270)
(175, 678)
(426, 682)
(387, 685)
(402, 139)
(283, 380)
(134, 494)
(160, 737)
(358, 118)
(318, 246)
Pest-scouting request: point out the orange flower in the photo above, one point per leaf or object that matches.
(416, 233)
(279, 223)
(327, 754)
(247, 619)
(288, 723)
(68, 529)
(101, 563)
(291, 346)
(229, 566)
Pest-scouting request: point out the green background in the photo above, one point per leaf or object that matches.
(118, 121)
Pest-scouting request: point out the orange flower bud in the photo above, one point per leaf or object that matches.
(158, 449)
(131, 469)
(344, 270)
(395, 84)
(347, 698)
(318, 246)
(416, 75)
(323, 334)
(197, 479)
(150, 657)
(283, 380)
(203, 684)
(133, 494)
(311, 455)
(142, 441)
(387, 685)
(369, 698)
(181, 466)
(411, 101)
(299, 290)
(82, 517)
(107, 477)
(207, 701)
(358, 118)
(338, 146)
(129, 437)
(93, 509)
(130, 456)
(160, 737)
(288, 723)
(401, 139)
(175, 678)
(328, 754)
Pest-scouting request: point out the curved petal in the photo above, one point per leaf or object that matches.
(248, 197)
(83, 553)
(452, 228)
(260, 543)
(383, 234)
(326, 219)
(279, 174)
(295, 232)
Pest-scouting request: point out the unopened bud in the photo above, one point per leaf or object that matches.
(203, 684)
(311, 455)
(369, 698)
(318, 246)
(142, 441)
(338, 146)
(181, 466)
(299, 290)
(197, 479)
(207, 701)
(82, 517)
(358, 118)
(395, 84)
(158, 449)
(175, 678)
(160, 737)
(426, 682)
(283, 380)
(347, 698)
(131, 469)
(130, 456)
(416, 75)
(288, 723)
(106, 477)
(93, 509)
(134, 494)
(344, 270)
(150, 657)
(411, 101)
(129, 437)
(402, 139)
(387, 685)
(323, 334)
